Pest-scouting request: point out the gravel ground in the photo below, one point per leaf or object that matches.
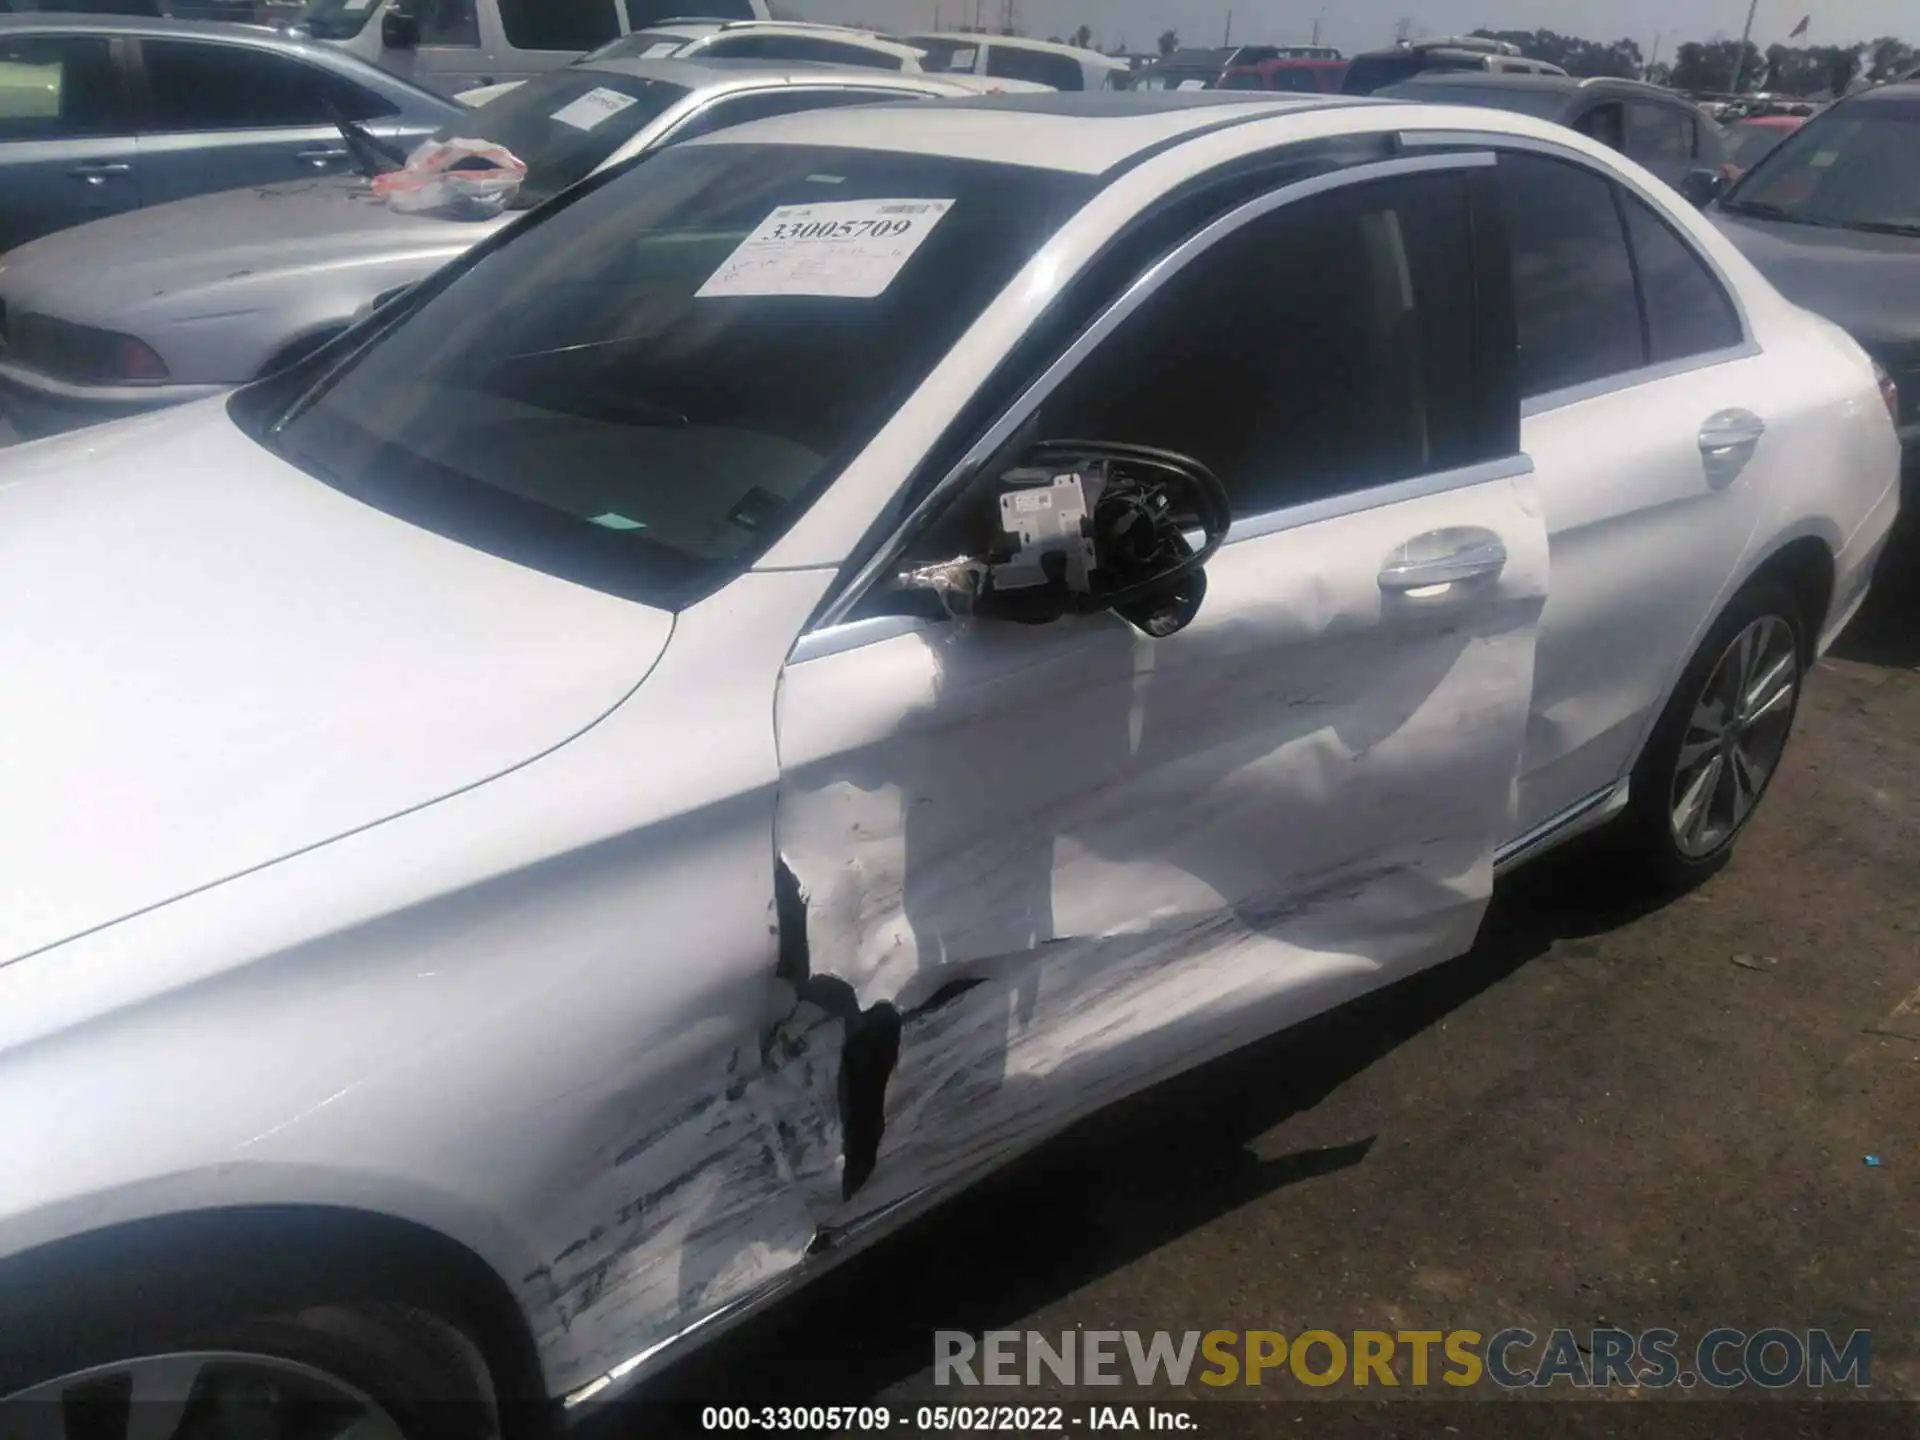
(1609, 1112)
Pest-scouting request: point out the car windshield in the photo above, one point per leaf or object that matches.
(1544, 104)
(641, 389)
(1748, 141)
(1855, 168)
(337, 19)
(565, 123)
(640, 45)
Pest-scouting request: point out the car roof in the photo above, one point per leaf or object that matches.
(1908, 89)
(148, 25)
(1021, 42)
(1519, 80)
(699, 73)
(1085, 132)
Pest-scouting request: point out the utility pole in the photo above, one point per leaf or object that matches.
(1740, 60)
(1316, 29)
(1228, 39)
(1654, 60)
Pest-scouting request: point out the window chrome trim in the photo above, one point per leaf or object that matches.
(1549, 400)
(1143, 288)
(1353, 502)
(1584, 814)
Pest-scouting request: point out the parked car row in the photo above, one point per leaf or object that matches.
(752, 694)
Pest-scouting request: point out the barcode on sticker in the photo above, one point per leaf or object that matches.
(905, 209)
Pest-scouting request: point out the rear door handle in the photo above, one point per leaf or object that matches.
(98, 172)
(1727, 441)
(1443, 557)
(320, 155)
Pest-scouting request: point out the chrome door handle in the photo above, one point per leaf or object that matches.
(1727, 441)
(321, 155)
(98, 172)
(1443, 557)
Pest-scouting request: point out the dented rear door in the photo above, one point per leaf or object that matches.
(1049, 865)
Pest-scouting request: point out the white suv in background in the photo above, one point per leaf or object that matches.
(455, 45)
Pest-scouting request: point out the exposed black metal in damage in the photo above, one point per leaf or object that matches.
(871, 1048)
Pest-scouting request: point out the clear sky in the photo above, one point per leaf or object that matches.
(1362, 24)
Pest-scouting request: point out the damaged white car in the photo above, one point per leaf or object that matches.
(746, 702)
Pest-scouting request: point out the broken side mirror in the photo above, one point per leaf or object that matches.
(1083, 526)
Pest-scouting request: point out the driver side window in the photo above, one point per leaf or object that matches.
(1325, 348)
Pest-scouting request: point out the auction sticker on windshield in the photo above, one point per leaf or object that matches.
(850, 249)
(597, 105)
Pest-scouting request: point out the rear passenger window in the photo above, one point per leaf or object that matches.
(1012, 63)
(1659, 133)
(54, 87)
(1322, 349)
(1688, 310)
(574, 25)
(1575, 307)
(195, 86)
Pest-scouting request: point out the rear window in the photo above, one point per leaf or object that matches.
(1369, 73)
(643, 394)
(1012, 62)
(1524, 100)
(946, 56)
(565, 123)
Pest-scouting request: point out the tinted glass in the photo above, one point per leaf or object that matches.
(1369, 73)
(1748, 143)
(53, 86)
(1242, 80)
(203, 86)
(1574, 301)
(642, 13)
(1606, 124)
(337, 19)
(1688, 310)
(1010, 62)
(574, 25)
(448, 22)
(1856, 167)
(946, 55)
(1322, 349)
(1659, 133)
(565, 123)
(571, 401)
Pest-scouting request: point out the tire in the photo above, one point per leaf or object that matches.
(310, 1346)
(1760, 647)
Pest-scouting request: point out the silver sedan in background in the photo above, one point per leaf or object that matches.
(181, 301)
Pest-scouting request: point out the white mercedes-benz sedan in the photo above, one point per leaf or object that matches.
(783, 681)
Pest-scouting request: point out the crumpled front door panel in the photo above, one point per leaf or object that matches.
(1075, 859)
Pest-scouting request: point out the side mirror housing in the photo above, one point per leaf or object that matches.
(1703, 186)
(1079, 527)
(399, 29)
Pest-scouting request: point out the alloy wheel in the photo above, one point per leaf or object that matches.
(1735, 737)
(198, 1396)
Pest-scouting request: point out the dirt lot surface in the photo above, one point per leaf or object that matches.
(1607, 1114)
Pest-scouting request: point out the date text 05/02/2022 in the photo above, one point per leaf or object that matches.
(944, 1419)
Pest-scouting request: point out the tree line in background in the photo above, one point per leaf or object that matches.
(1711, 65)
(1697, 65)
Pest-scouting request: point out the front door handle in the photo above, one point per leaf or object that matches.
(1727, 442)
(1442, 558)
(321, 155)
(98, 172)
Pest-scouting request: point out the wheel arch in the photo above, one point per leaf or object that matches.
(261, 1258)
